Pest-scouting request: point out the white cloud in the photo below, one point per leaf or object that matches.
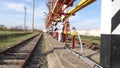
(81, 21)
(93, 23)
(18, 17)
(77, 18)
(15, 6)
(30, 1)
(39, 9)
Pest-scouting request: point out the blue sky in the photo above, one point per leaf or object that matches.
(12, 14)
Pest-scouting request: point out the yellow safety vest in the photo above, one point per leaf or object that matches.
(74, 33)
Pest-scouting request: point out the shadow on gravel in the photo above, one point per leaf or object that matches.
(89, 56)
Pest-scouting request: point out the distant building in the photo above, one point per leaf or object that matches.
(92, 32)
(44, 30)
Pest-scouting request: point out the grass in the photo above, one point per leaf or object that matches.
(9, 32)
(7, 39)
(88, 39)
(91, 39)
(43, 51)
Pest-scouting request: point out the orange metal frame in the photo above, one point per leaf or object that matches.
(58, 12)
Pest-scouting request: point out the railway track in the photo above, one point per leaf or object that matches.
(19, 55)
(89, 45)
(38, 59)
(90, 52)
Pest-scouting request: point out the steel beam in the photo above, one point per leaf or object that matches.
(80, 6)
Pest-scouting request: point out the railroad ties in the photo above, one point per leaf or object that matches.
(93, 46)
(19, 55)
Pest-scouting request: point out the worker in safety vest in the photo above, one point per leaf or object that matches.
(73, 33)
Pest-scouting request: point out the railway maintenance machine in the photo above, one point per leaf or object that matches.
(110, 28)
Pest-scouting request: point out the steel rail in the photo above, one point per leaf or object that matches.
(17, 52)
(29, 56)
(6, 49)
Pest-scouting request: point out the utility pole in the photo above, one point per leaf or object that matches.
(25, 19)
(33, 16)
